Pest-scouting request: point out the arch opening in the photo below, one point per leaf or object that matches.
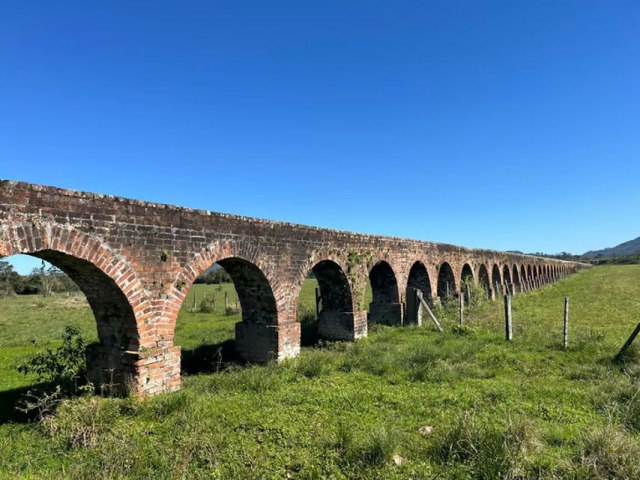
(496, 279)
(466, 282)
(484, 281)
(325, 305)
(516, 279)
(70, 292)
(222, 317)
(523, 278)
(418, 281)
(446, 283)
(385, 306)
(506, 279)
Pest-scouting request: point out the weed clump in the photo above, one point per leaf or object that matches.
(485, 451)
(606, 453)
(374, 448)
(83, 421)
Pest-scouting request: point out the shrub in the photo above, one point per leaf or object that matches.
(477, 292)
(64, 367)
(230, 310)
(207, 305)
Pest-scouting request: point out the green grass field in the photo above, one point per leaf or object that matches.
(524, 409)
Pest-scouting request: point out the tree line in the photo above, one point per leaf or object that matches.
(44, 280)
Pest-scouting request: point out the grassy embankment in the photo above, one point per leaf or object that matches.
(525, 409)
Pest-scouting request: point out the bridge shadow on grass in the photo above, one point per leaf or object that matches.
(10, 399)
(210, 358)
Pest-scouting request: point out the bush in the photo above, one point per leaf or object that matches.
(207, 305)
(477, 292)
(64, 367)
(230, 310)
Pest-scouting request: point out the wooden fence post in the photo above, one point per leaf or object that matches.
(318, 300)
(461, 309)
(629, 341)
(226, 301)
(507, 318)
(566, 323)
(426, 307)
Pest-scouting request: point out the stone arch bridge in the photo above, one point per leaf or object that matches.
(135, 262)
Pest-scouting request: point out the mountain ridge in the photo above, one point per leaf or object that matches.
(631, 247)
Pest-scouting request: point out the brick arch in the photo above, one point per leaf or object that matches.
(384, 283)
(506, 275)
(431, 291)
(119, 303)
(220, 251)
(446, 280)
(467, 271)
(385, 304)
(496, 275)
(484, 279)
(337, 319)
(315, 258)
(515, 275)
(267, 329)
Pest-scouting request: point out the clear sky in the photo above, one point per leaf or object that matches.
(505, 124)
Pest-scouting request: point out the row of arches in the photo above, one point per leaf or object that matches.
(136, 329)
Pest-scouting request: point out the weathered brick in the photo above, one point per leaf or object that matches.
(112, 247)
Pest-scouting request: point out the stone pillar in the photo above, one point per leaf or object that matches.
(258, 343)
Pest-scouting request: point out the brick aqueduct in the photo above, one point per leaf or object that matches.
(135, 262)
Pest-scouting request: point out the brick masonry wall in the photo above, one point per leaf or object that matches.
(136, 261)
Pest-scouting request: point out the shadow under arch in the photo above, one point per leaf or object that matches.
(258, 317)
(484, 281)
(110, 363)
(515, 277)
(466, 282)
(446, 282)
(385, 306)
(418, 281)
(496, 279)
(335, 317)
(506, 279)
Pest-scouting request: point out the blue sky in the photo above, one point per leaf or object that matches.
(505, 125)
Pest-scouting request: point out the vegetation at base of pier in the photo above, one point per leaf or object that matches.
(406, 402)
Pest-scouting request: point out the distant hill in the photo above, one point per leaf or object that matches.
(632, 247)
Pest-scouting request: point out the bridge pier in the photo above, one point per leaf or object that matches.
(257, 343)
(145, 372)
(347, 326)
(385, 313)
